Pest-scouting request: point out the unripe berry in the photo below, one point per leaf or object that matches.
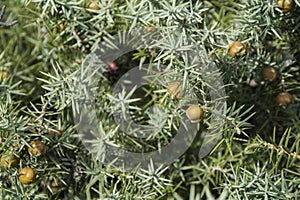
(175, 90)
(195, 113)
(27, 176)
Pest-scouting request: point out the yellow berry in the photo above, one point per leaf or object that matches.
(9, 160)
(285, 5)
(4, 74)
(62, 26)
(175, 90)
(27, 175)
(195, 113)
(92, 5)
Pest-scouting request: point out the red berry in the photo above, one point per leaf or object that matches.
(113, 67)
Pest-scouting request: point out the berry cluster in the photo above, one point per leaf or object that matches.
(26, 175)
(194, 112)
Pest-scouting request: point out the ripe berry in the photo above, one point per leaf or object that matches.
(237, 48)
(9, 160)
(195, 113)
(27, 176)
(175, 90)
(269, 73)
(285, 5)
(113, 68)
(37, 148)
(284, 99)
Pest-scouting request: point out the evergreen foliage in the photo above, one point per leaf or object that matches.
(258, 155)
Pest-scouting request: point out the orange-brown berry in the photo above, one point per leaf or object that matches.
(269, 73)
(285, 5)
(284, 99)
(37, 148)
(237, 48)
